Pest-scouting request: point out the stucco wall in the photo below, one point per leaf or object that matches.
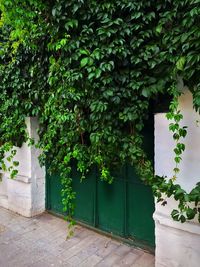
(26, 193)
(177, 245)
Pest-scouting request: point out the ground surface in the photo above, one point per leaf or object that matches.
(41, 242)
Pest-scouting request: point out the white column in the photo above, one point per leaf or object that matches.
(177, 245)
(25, 194)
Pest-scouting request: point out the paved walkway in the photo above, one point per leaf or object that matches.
(41, 242)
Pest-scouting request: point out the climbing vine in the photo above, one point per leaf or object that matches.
(90, 71)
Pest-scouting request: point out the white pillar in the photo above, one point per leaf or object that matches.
(25, 194)
(177, 245)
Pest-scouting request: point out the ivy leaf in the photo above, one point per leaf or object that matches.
(191, 213)
(84, 61)
(182, 218)
(91, 75)
(180, 63)
(175, 215)
(159, 28)
(84, 52)
(145, 92)
(179, 193)
(53, 12)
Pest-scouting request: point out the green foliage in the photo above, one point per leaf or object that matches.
(179, 132)
(89, 70)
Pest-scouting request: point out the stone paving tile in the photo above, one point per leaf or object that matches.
(79, 247)
(9, 235)
(41, 242)
(85, 253)
(107, 249)
(2, 228)
(110, 260)
(69, 243)
(146, 260)
(7, 254)
(51, 262)
(91, 261)
(122, 250)
(128, 259)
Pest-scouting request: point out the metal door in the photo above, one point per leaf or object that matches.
(124, 208)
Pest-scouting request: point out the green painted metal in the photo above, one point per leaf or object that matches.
(124, 208)
(140, 207)
(110, 204)
(53, 193)
(85, 197)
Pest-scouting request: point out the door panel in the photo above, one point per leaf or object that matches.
(53, 193)
(140, 208)
(85, 197)
(110, 204)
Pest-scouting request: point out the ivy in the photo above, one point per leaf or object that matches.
(90, 71)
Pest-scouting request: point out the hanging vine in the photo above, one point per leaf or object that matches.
(89, 70)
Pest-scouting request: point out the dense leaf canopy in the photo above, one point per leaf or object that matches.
(90, 71)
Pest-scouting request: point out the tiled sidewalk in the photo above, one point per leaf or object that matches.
(41, 242)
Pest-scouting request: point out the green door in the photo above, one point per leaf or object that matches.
(140, 208)
(124, 208)
(110, 204)
(85, 197)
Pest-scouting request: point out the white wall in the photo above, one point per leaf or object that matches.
(25, 194)
(177, 245)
